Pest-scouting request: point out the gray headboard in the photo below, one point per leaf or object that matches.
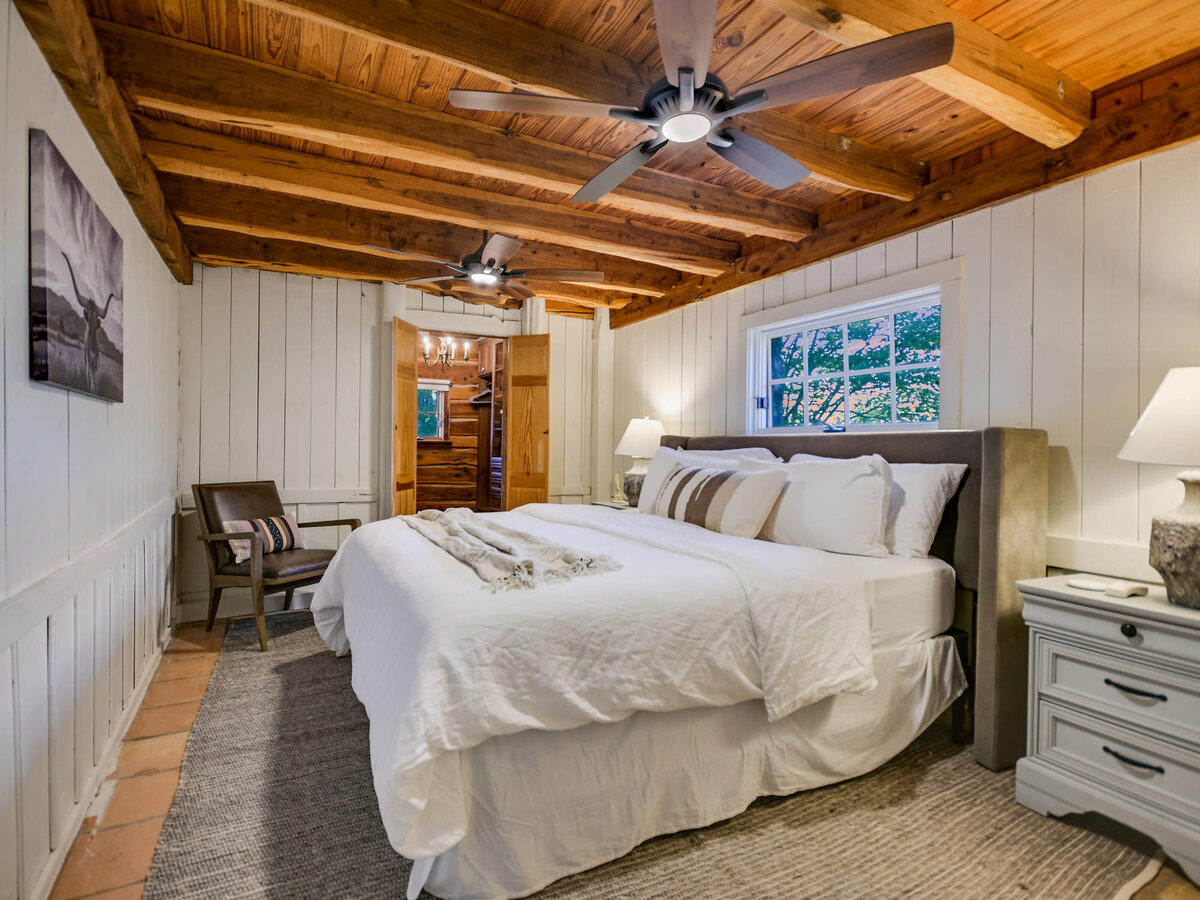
(993, 533)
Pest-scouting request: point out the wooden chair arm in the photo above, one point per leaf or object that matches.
(256, 548)
(353, 523)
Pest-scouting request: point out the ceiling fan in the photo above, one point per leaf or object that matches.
(486, 268)
(692, 103)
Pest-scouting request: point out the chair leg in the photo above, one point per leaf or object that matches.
(213, 600)
(287, 598)
(260, 616)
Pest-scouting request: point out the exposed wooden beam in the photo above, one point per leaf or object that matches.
(1164, 121)
(568, 309)
(175, 76)
(267, 214)
(986, 72)
(526, 55)
(214, 157)
(228, 248)
(66, 38)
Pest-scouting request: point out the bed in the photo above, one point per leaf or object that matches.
(566, 724)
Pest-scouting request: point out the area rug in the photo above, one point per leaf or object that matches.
(275, 800)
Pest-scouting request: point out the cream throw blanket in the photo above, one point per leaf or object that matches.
(506, 559)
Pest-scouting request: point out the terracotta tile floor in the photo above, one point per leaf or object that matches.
(112, 854)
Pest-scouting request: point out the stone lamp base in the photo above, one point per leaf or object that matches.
(1175, 545)
(634, 478)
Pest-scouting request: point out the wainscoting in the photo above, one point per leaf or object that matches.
(1075, 302)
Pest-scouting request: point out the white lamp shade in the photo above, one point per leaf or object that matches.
(641, 438)
(1169, 430)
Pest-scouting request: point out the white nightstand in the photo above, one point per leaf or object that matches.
(612, 504)
(1114, 712)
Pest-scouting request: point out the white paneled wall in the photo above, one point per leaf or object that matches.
(278, 381)
(1076, 300)
(86, 513)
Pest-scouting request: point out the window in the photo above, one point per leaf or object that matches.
(432, 399)
(875, 364)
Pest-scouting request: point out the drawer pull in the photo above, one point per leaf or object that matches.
(1129, 629)
(1137, 692)
(1134, 762)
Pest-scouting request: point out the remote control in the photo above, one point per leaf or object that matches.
(1125, 589)
(1087, 584)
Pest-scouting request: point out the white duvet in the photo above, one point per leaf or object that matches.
(693, 618)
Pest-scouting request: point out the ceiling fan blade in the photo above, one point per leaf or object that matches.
(685, 36)
(768, 164)
(429, 280)
(516, 291)
(617, 171)
(857, 67)
(535, 104)
(498, 250)
(394, 252)
(560, 274)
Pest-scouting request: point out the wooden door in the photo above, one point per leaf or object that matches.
(404, 418)
(527, 420)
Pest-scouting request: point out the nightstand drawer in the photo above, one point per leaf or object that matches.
(1111, 683)
(1142, 637)
(1152, 771)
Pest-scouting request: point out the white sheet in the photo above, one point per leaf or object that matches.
(442, 664)
(913, 598)
(545, 805)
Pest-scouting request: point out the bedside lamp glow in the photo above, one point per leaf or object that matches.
(1168, 433)
(640, 441)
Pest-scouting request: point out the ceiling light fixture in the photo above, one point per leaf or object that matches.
(485, 278)
(686, 127)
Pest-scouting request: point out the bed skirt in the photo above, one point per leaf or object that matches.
(548, 804)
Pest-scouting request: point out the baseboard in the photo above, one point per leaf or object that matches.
(108, 762)
(193, 606)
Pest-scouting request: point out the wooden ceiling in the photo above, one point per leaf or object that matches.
(290, 134)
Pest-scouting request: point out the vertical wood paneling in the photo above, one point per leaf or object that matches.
(717, 372)
(216, 299)
(687, 369)
(89, 521)
(323, 381)
(1011, 354)
(871, 262)
(298, 399)
(702, 367)
(900, 254)
(1110, 367)
(347, 430)
(33, 758)
(272, 375)
(843, 271)
(1058, 345)
(818, 279)
(368, 386)
(558, 365)
(61, 719)
(243, 366)
(735, 366)
(85, 689)
(1169, 312)
(972, 236)
(102, 663)
(10, 812)
(934, 244)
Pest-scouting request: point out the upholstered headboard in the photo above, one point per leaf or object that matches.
(993, 533)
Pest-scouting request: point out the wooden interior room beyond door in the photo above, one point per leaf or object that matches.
(501, 408)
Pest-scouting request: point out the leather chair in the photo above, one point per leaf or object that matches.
(262, 573)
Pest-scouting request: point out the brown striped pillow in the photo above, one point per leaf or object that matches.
(729, 502)
(279, 533)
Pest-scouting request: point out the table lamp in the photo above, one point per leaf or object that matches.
(1168, 432)
(640, 441)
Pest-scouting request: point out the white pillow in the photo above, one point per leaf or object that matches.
(722, 500)
(665, 459)
(920, 492)
(838, 505)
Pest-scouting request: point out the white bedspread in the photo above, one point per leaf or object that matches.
(693, 619)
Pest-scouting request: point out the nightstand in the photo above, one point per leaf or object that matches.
(1114, 712)
(612, 504)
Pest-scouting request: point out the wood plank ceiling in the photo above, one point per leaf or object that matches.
(292, 134)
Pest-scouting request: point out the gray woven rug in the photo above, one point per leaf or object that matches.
(275, 800)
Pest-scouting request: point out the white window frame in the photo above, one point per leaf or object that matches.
(940, 282)
(442, 386)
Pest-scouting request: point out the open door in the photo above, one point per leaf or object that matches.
(404, 418)
(527, 420)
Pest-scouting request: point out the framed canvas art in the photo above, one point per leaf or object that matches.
(75, 280)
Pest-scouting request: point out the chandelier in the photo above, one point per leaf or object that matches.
(445, 354)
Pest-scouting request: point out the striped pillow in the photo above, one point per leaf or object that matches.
(279, 533)
(725, 501)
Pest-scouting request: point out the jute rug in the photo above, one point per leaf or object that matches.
(275, 800)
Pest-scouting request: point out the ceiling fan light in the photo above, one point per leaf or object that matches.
(483, 278)
(686, 127)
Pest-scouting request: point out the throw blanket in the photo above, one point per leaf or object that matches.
(506, 559)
